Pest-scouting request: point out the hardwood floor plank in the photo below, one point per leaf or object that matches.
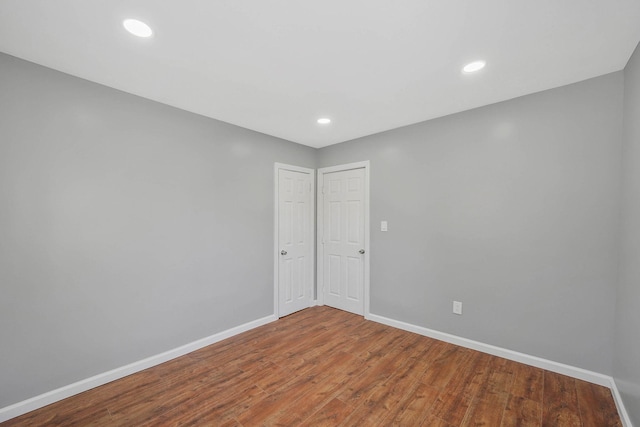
(270, 376)
(486, 410)
(379, 369)
(472, 373)
(433, 350)
(45, 416)
(212, 411)
(287, 396)
(333, 413)
(232, 390)
(154, 401)
(560, 401)
(330, 381)
(379, 343)
(274, 403)
(596, 405)
(433, 421)
(305, 350)
(501, 377)
(528, 382)
(445, 366)
(93, 405)
(306, 405)
(415, 410)
(385, 398)
(522, 412)
(326, 367)
(488, 405)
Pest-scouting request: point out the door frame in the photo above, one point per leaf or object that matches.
(320, 230)
(276, 236)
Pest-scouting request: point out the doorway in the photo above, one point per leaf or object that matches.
(294, 238)
(343, 237)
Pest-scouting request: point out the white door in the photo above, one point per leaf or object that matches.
(343, 243)
(294, 240)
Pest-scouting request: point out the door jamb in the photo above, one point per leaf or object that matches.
(276, 219)
(320, 230)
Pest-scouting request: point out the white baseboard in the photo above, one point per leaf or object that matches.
(538, 362)
(50, 397)
(624, 415)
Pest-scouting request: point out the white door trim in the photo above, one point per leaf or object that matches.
(320, 255)
(276, 230)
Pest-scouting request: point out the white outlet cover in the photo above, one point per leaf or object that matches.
(457, 307)
(383, 226)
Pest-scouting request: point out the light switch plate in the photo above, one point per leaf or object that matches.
(383, 226)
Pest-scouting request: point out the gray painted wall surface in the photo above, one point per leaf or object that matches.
(122, 224)
(127, 228)
(627, 343)
(512, 209)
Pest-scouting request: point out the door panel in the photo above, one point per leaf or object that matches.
(334, 275)
(295, 241)
(354, 266)
(343, 230)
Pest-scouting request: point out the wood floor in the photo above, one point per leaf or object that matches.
(325, 367)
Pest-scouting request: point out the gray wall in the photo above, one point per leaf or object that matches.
(512, 209)
(627, 346)
(127, 228)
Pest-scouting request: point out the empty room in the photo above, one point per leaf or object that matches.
(338, 213)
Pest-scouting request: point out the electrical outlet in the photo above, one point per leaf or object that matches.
(457, 307)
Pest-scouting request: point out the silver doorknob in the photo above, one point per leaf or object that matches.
(361, 251)
(283, 252)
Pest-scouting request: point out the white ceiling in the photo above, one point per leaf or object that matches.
(275, 66)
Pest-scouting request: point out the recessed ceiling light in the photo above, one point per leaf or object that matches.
(137, 28)
(474, 66)
(324, 121)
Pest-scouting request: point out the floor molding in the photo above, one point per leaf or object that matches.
(617, 398)
(549, 365)
(56, 395)
(538, 362)
(50, 397)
